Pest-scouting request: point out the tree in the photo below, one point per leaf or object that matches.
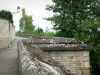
(39, 31)
(26, 25)
(79, 19)
(7, 15)
(48, 33)
(68, 14)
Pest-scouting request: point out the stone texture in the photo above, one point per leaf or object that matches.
(34, 66)
(72, 60)
(86, 58)
(6, 36)
(74, 55)
(86, 53)
(85, 71)
(87, 64)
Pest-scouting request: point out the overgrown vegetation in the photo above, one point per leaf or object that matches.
(48, 33)
(79, 19)
(35, 52)
(6, 15)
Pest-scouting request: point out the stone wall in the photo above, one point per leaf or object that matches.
(6, 35)
(71, 53)
(34, 66)
(29, 36)
(76, 61)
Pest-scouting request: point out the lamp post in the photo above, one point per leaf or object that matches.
(18, 10)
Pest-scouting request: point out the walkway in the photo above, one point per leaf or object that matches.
(9, 60)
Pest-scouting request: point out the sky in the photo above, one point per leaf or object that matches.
(36, 8)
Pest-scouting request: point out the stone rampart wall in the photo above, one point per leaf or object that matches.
(30, 66)
(73, 55)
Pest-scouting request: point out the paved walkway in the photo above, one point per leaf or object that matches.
(9, 60)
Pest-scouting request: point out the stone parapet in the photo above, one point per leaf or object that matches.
(33, 66)
(72, 54)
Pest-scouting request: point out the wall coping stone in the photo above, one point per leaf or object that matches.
(59, 44)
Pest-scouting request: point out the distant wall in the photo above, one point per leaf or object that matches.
(31, 36)
(6, 35)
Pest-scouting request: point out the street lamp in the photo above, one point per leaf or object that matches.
(18, 10)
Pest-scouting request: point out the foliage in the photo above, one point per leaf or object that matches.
(79, 19)
(48, 33)
(42, 56)
(68, 14)
(26, 25)
(38, 31)
(7, 15)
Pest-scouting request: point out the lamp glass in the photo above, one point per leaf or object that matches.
(18, 9)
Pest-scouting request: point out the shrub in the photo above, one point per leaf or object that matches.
(7, 15)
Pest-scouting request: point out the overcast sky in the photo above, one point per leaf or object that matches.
(36, 8)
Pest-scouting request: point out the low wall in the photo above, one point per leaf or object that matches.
(29, 36)
(29, 66)
(77, 62)
(6, 35)
(72, 54)
(32, 36)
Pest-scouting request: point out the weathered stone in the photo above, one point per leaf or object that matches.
(85, 71)
(86, 58)
(35, 66)
(6, 35)
(68, 53)
(87, 64)
(71, 60)
(86, 53)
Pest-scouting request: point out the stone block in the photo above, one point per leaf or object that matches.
(87, 64)
(79, 58)
(79, 72)
(86, 53)
(72, 58)
(85, 71)
(79, 64)
(64, 57)
(86, 58)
